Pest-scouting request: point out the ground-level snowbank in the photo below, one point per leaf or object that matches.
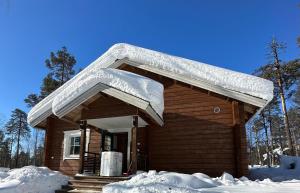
(289, 169)
(171, 182)
(31, 179)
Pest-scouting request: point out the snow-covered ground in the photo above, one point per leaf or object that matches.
(282, 179)
(170, 182)
(30, 179)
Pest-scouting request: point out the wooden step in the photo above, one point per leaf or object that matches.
(76, 191)
(82, 187)
(90, 182)
(103, 178)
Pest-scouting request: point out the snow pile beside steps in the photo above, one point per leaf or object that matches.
(31, 179)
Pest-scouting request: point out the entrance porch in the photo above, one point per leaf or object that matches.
(118, 134)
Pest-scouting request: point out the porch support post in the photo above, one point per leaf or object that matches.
(240, 145)
(134, 144)
(82, 145)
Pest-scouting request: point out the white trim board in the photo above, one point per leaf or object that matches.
(73, 133)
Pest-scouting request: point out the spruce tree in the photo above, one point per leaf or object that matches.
(17, 127)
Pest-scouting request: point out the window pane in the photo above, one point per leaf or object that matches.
(77, 140)
(76, 150)
(107, 143)
(72, 141)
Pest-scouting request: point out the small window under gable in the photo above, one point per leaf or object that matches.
(72, 143)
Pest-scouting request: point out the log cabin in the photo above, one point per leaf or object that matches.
(160, 111)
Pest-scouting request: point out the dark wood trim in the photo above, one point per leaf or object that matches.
(83, 126)
(134, 144)
(238, 125)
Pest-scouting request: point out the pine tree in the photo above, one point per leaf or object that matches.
(61, 69)
(284, 76)
(17, 126)
(296, 98)
(61, 65)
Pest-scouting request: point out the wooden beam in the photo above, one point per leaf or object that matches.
(134, 144)
(83, 126)
(69, 120)
(84, 106)
(239, 136)
(235, 113)
(249, 109)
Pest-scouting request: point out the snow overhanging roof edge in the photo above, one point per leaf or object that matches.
(260, 92)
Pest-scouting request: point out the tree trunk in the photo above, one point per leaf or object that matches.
(257, 147)
(11, 145)
(283, 103)
(62, 75)
(250, 146)
(266, 140)
(35, 147)
(271, 138)
(18, 145)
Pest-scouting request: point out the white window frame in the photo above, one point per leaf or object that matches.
(67, 143)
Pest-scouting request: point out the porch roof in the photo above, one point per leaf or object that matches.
(139, 91)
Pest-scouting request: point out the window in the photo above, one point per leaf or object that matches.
(72, 143)
(107, 143)
(75, 145)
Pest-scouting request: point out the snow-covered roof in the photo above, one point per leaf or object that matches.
(134, 89)
(117, 83)
(236, 85)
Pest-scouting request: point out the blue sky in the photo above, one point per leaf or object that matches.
(231, 34)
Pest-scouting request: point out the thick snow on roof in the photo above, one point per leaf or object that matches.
(212, 75)
(225, 78)
(136, 85)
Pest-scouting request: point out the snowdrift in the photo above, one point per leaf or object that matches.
(289, 169)
(171, 182)
(31, 179)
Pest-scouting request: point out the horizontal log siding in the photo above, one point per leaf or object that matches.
(105, 107)
(55, 146)
(193, 138)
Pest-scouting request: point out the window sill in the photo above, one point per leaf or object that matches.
(68, 158)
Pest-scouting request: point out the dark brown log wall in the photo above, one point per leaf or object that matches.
(54, 146)
(194, 137)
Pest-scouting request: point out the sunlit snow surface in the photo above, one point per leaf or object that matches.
(212, 75)
(133, 84)
(171, 182)
(31, 179)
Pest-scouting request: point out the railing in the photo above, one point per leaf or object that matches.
(91, 163)
(142, 161)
